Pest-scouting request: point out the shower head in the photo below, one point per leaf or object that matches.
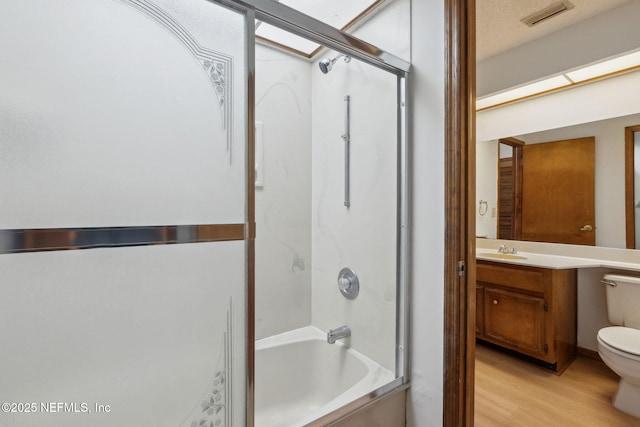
(327, 64)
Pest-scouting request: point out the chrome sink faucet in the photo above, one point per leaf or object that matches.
(504, 249)
(338, 333)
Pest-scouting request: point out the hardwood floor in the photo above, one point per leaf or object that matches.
(513, 393)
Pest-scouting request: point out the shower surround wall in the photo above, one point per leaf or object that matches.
(283, 204)
(363, 236)
(305, 234)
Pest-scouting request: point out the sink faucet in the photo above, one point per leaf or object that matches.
(338, 333)
(504, 249)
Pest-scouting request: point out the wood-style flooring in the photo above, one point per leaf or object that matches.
(511, 392)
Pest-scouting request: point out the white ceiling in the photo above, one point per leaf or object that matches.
(499, 27)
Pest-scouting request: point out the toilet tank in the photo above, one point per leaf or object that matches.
(623, 300)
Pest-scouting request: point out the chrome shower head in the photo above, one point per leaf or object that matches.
(327, 64)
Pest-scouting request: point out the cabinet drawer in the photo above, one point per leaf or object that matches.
(518, 278)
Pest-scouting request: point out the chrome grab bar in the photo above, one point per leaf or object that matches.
(346, 136)
(609, 283)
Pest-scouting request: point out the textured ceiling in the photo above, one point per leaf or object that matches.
(498, 25)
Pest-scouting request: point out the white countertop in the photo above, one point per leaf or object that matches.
(556, 262)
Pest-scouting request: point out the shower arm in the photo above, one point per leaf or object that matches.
(346, 136)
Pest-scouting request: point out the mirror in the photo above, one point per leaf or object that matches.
(610, 194)
(632, 185)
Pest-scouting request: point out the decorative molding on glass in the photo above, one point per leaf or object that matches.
(217, 65)
(214, 410)
(57, 239)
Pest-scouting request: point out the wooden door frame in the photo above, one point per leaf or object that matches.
(460, 165)
(629, 202)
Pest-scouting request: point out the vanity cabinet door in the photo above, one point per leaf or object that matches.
(514, 320)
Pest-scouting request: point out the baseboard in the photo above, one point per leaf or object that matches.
(591, 354)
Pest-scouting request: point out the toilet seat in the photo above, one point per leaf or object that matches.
(625, 340)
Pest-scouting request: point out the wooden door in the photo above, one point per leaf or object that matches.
(514, 320)
(506, 197)
(558, 203)
(510, 190)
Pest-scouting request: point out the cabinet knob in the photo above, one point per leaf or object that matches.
(495, 302)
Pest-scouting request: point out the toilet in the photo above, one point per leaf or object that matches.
(619, 345)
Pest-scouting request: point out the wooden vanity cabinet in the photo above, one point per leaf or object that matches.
(530, 310)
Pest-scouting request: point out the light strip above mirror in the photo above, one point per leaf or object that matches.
(604, 69)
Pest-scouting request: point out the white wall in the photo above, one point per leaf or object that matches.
(283, 203)
(389, 29)
(427, 213)
(487, 188)
(609, 172)
(592, 306)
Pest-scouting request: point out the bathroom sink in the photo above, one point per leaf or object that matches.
(502, 256)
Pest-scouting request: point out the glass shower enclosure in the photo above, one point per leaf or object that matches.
(127, 208)
(124, 238)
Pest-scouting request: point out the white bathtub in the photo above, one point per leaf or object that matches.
(299, 377)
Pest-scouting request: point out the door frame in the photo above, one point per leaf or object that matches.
(460, 168)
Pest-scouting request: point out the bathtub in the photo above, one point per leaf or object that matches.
(299, 377)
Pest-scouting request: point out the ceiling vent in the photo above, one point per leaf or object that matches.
(547, 13)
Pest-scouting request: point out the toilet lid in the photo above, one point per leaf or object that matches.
(621, 338)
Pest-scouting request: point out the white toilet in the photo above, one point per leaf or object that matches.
(619, 346)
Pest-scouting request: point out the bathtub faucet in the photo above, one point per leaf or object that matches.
(338, 333)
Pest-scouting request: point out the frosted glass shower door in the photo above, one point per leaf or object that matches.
(123, 213)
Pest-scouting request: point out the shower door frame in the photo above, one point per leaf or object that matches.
(295, 22)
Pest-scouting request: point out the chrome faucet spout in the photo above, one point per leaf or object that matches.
(338, 333)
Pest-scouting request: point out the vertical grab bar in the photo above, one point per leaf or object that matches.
(346, 136)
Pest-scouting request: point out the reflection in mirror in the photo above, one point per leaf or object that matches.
(636, 182)
(632, 185)
(609, 176)
(510, 188)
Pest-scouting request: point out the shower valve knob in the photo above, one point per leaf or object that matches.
(348, 283)
(344, 283)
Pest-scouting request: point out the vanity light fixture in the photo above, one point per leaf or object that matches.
(607, 68)
(521, 92)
